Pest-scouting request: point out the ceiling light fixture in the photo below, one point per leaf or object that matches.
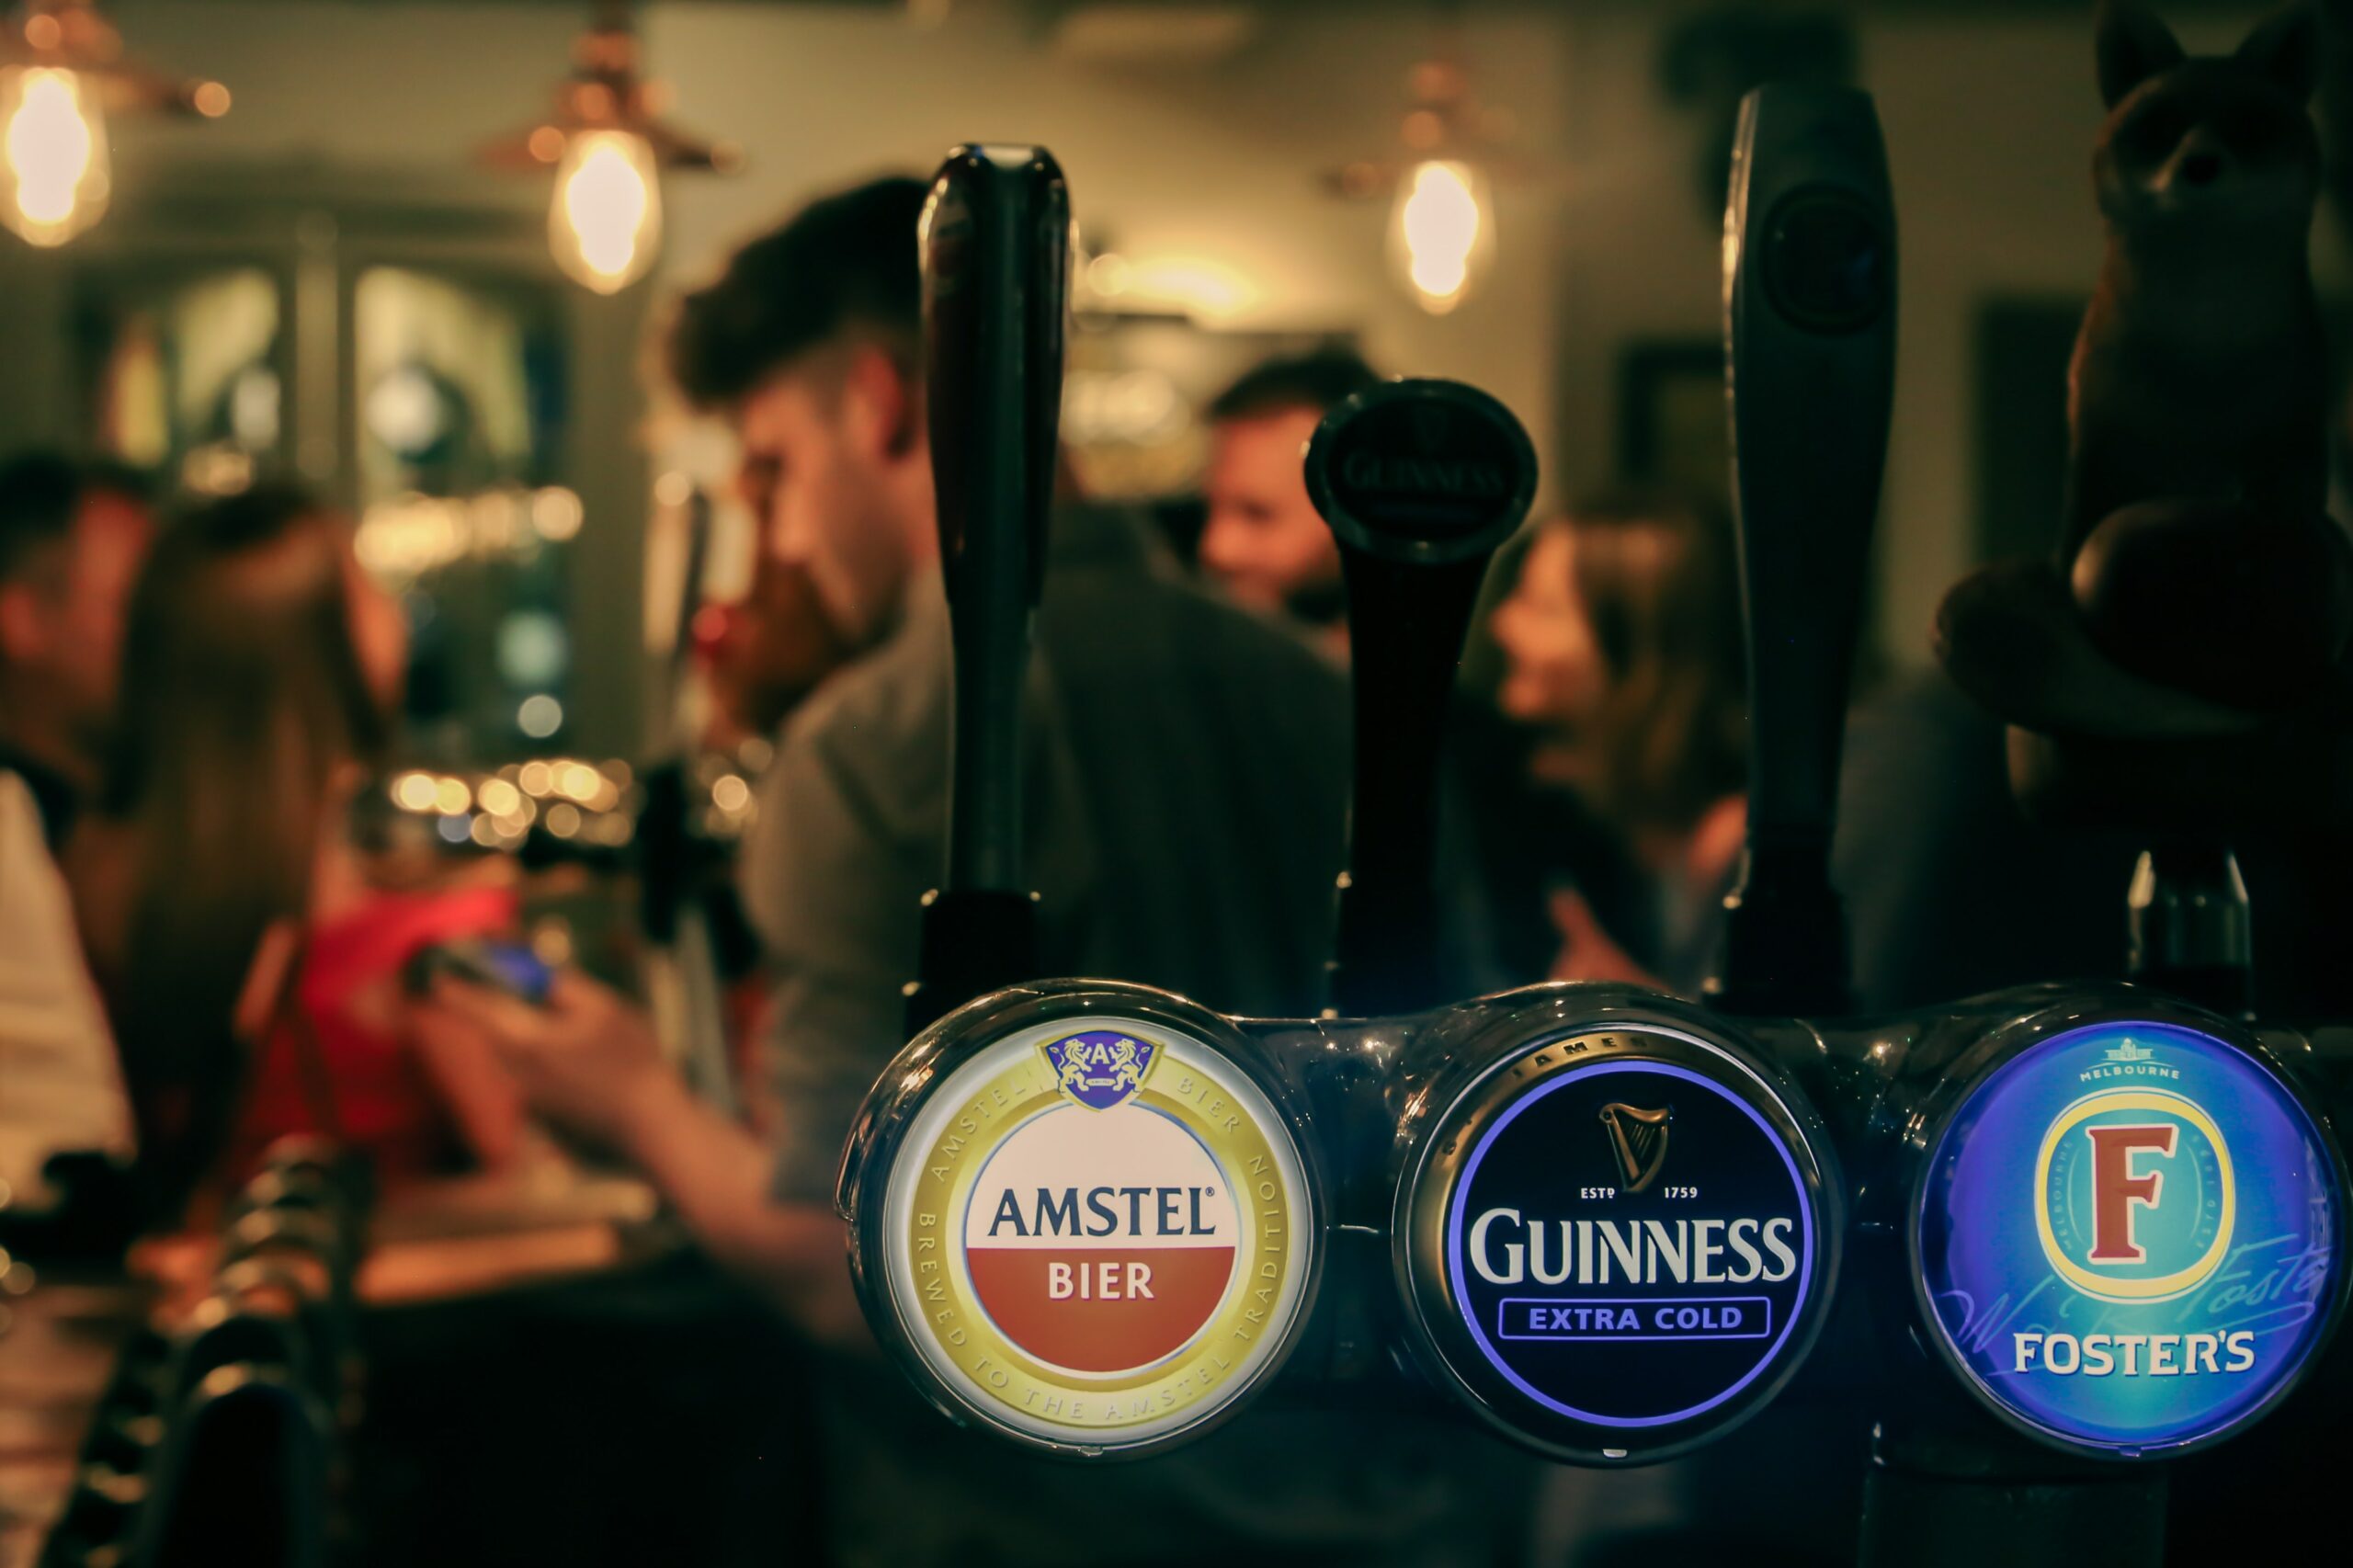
(61, 73)
(608, 147)
(1441, 237)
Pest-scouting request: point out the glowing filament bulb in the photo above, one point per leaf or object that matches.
(1442, 236)
(53, 167)
(607, 222)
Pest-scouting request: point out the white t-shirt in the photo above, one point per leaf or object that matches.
(60, 1085)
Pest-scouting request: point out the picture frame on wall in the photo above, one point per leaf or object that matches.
(1671, 430)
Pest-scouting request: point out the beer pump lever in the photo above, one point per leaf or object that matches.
(1810, 334)
(1420, 480)
(995, 252)
(1094, 1218)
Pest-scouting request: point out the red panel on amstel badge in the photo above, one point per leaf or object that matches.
(1112, 1272)
(1091, 1313)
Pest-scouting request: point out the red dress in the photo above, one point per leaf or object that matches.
(353, 1021)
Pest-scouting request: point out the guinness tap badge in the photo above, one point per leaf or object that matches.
(1617, 1240)
(1422, 471)
(1097, 1233)
(2126, 1238)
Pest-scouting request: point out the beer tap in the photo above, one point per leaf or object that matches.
(1420, 482)
(244, 1476)
(1615, 1219)
(1094, 1218)
(2020, 1419)
(995, 249)
(1421, 479)
(1810, 334)
(218, 1442)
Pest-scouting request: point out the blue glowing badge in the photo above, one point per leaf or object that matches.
(2128, 1237)
(1630, 1246)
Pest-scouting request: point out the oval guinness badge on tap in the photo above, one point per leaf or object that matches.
(1619, 1236)
(1080, 1218)
(1421, 470)
(2128, 1237)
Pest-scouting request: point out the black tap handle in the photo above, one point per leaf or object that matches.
(1420, 480)
(1810, 334)
(995, 249)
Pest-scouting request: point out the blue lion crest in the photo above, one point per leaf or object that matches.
(1102, 1068)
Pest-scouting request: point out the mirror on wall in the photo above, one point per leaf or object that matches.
(412, 356)
(182, 368)
(459, 384)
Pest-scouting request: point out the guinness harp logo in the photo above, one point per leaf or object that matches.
(1638, 1138)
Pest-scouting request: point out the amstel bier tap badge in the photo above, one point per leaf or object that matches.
(2128, 1237)
(1100, 1233)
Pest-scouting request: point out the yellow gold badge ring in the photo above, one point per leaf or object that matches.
(986, 1102)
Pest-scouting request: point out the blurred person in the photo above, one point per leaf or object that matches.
(766, 652)
(71, 538)
(254, 972)
(1622, 648)
(1263, 540)
(1157, 717)
(1624, 654)
(60, 1088)
(1931, 851)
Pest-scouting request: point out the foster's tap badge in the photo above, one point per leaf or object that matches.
(1092, 1230)
(2126, 1238)
(1620, 1239)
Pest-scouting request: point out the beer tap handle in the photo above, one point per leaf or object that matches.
(1810, 334)
(995, 249)
(1420, 481)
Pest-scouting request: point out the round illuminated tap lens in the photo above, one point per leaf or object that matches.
(1619, 1240)
(2128, 1238)
(1098, 1234)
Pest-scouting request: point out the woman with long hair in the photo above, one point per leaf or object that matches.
(1622, 647)
(253, 972)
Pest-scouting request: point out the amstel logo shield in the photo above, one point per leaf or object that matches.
(1100, 1068)
(1099, 1233)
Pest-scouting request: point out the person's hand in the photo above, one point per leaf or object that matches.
(585, 1061)
(1588, 952)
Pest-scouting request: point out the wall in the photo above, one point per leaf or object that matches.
(1990, 122)
(1217, 165)
(1989, 119)
(1990, 127)
(363, 85)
